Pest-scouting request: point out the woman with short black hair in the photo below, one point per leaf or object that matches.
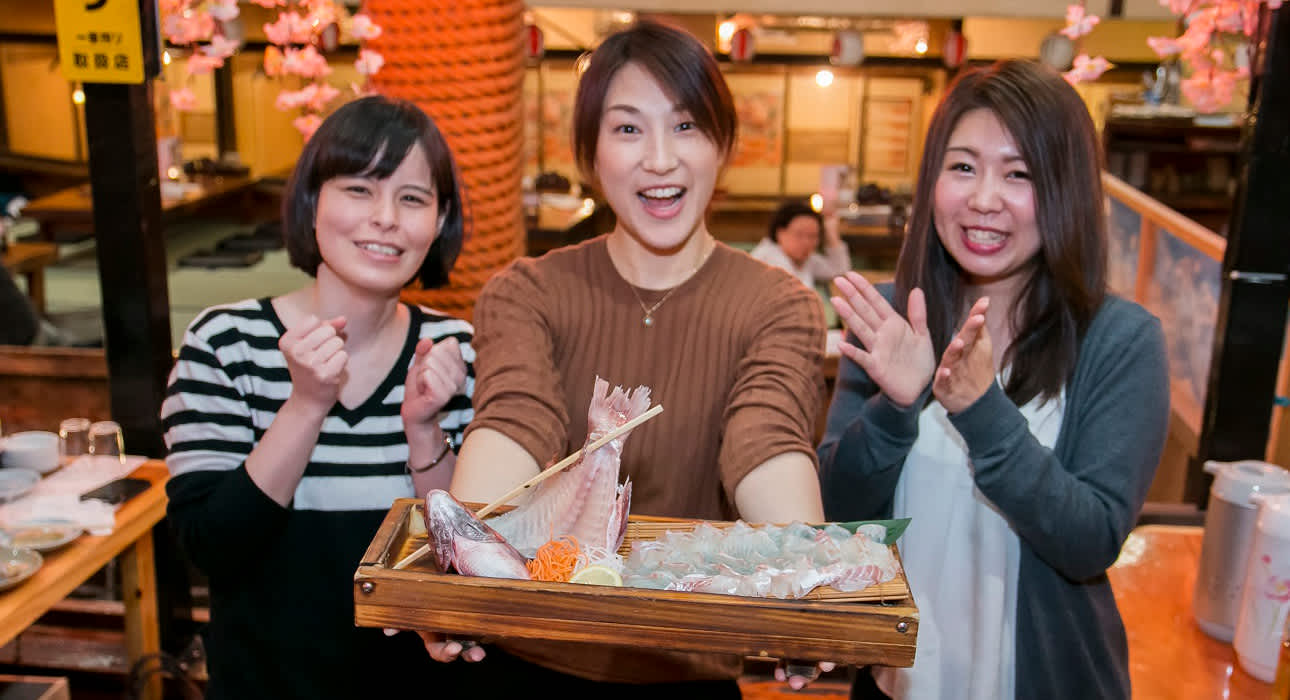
(293, 423)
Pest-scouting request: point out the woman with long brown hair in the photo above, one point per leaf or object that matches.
(1004, 400)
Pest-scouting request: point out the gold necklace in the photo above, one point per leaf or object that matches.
(648, 320)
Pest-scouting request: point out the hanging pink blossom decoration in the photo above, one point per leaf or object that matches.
(1215, 49)
(1085, 69)
(369, 62)
(1079, 23)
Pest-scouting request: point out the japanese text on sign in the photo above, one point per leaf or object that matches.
(99, 40)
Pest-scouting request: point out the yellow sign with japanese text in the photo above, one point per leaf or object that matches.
(99, 41)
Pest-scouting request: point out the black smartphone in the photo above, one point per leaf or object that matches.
(117, 492)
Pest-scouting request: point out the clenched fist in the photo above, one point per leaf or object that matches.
(438, 372)
(316, 358)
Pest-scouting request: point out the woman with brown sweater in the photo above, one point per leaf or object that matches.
(730, 347)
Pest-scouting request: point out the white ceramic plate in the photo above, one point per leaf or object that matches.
(18, 565)
(16, 482)
(44, 535)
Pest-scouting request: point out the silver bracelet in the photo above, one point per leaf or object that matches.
(447, 447)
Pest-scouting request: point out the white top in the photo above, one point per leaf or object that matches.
(835, 261)
(961, 558)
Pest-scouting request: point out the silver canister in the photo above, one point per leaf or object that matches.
(1229, 530)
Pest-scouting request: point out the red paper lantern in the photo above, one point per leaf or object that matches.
(534, 43)
(741, 46)
(955, 50)
(848, 48)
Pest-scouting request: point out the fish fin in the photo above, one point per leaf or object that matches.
(617, 529)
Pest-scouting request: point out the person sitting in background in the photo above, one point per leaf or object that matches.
(793, 244)
(19, 322)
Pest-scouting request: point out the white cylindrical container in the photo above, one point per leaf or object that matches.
(1229, 530)
(1265, 596)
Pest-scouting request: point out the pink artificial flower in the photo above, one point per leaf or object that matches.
(1229, 16)
(187, 27)
(307, 124)
(221, 47)
(1210, 90)
(1164, 46)
(222, 10)
(369, 62)
(1078, 23)
(1251, 14)
(1274, 4)
(324, 94)
(306, 62)
(362, 28)
(1177, 7)
(182, 100)
(290, 28)
(287, 99)
(268, 4)
(201, 64)
(1085, 69)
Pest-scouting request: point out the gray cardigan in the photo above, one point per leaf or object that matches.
(1072, 507)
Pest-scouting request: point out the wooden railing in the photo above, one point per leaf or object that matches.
(1172, 266)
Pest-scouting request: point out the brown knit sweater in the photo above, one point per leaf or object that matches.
(733, 357)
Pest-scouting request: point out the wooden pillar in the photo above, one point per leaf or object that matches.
(462, 61)
(126, 197)
(1251, 321)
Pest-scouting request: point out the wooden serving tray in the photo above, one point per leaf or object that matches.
(875, 626)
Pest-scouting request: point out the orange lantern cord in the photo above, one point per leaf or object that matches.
(556, 560)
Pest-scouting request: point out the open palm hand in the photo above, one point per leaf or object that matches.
(897, 354)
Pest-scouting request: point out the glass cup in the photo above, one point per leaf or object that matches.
(73, 439)
(106, 440)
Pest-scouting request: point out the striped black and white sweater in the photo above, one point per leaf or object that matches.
(282, 613)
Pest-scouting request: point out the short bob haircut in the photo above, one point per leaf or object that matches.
(680, 63)
(785, 214)
(371, 136)
(1067, 282)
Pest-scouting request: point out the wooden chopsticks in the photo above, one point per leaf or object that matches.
(546, 474)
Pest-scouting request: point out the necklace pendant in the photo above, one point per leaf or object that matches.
(648, 321)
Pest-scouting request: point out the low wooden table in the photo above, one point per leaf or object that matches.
(30, 260)
(73, 208)
(1170, 658)
(67, 568)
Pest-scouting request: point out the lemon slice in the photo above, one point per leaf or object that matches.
(597, 575)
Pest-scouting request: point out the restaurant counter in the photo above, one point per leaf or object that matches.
(1170, 658)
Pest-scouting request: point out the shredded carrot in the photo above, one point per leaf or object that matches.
(555, 560)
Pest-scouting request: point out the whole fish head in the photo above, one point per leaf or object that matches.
(464, 542)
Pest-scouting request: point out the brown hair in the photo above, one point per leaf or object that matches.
(1067, 282)
(680, 63)
(371, 136)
